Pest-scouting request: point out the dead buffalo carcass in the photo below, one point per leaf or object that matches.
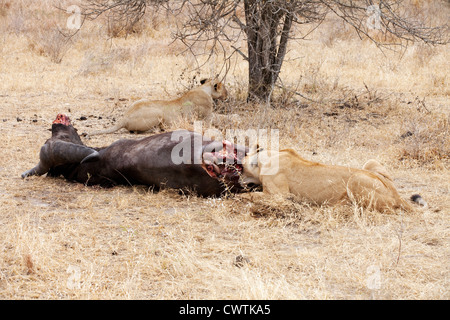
(180, 159)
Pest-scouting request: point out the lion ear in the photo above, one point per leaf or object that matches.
(203, 81)
(255, 149)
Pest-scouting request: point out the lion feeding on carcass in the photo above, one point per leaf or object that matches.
(285, 172)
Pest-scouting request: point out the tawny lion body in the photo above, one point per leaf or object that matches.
(371, 187)
(145, 114)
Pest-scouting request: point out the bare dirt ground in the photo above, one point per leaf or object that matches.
(63, 240)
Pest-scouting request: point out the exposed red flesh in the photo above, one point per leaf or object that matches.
(63, 119)
(224, 163)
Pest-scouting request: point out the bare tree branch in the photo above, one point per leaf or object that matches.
(219, 26)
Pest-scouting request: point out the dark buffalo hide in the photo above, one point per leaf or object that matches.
(180, 159)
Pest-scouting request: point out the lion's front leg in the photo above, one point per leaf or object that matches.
(275, 184)
(253, 196)
(272, 185)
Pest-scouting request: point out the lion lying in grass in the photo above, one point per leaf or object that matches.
(285, 172)
(144, 114)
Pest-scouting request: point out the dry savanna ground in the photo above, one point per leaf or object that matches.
(63, 240)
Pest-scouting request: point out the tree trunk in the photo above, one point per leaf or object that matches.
(266, 46)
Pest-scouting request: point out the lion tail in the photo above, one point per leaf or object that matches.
(114, 128)
(417, 198)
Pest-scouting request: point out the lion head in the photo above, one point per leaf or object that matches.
(218, 90)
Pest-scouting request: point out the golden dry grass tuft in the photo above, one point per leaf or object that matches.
(62, 240)
(426, 141)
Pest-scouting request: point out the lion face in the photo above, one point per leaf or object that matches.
(251, 169)
(218, 89)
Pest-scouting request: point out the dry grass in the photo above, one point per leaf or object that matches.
(60, 240)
